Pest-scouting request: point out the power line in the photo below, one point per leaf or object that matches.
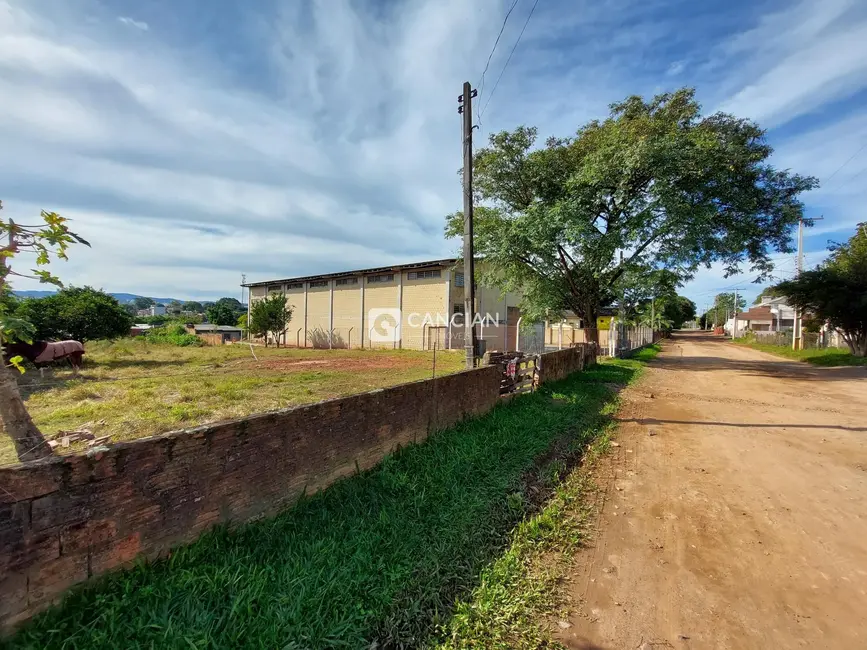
(848, 180)
(481, 83)
(851, 158)
(506, 65)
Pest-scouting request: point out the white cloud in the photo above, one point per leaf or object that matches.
(675, 68)
(316, 136)
(138, 24)
(796, 60)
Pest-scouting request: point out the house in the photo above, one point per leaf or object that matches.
(139, 328)
(153, 310)
(415, 306)
(215, 334)
(772, 315)
(570, 328)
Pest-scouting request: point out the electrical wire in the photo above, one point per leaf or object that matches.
(481, 83)
(506, 64)
(850, 159)
(847, 180)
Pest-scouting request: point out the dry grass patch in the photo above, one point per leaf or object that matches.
(131, 388)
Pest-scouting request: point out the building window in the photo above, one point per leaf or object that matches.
(345, 281)
(385, 277)
(319, 283)
(420, 275)
(295, 285)
(277, 289)
(459, 279)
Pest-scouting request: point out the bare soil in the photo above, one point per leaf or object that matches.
(734, 510)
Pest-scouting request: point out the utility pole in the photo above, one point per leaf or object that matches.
(243, 282)
(652, 313)
(465, 108)
(798, 324)
(735, 324)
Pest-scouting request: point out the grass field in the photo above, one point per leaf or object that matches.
(455, 543)
(131, 388)
(820, 357)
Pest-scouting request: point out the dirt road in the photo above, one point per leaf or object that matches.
(734, 511)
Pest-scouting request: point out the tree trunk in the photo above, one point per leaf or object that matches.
(591, 333)
(29, 442)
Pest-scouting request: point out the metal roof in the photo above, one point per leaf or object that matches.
(381, 269)
(208, 327)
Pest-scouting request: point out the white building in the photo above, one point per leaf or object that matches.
(153, 310)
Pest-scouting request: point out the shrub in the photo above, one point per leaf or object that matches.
(320, 339)
(174, 335)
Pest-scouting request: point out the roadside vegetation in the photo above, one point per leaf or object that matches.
(818, 357)
(457, 542)
(132, 388)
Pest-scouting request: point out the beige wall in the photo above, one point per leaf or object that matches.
(424, 304)
(433, 296)
(295, 328)
(488, 301)
(318, 310)
(380, 295)
(347, 315)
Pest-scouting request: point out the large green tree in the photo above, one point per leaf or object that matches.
(224, 312)
(670, 311)
(143, 302)
(724, 307)
(80, 313)
(836, 292)
(655, 185)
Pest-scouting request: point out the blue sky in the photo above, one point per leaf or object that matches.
(193, 140)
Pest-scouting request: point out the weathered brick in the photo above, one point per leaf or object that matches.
(59, 508)
(30, 549)
(562, 363)
(48, 580)
(83, 536)
(13, 586)
(117, 554)
(26, 481)
(84, 514)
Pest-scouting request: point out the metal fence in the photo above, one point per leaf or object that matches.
(624, 339)
(811, 340)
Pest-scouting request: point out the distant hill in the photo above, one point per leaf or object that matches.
(121, 297)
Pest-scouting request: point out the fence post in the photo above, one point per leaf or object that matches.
(517, 334)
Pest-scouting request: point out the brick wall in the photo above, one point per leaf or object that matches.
(67, 518)
(559, 364)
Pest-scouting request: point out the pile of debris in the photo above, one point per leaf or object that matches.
(84, 433)
(519, 370)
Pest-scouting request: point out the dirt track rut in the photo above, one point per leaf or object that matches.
(734, 511)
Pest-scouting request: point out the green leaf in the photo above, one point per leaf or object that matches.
(16, 362)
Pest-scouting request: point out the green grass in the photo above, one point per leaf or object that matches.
(438, 544)
(822, 357)
(132, 388)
